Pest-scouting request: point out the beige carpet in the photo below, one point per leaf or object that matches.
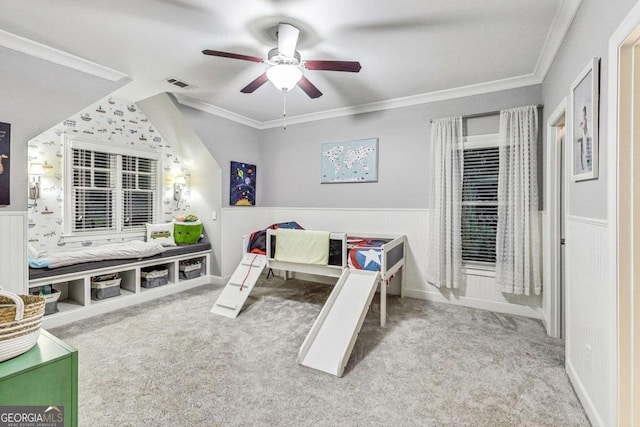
(170, 362)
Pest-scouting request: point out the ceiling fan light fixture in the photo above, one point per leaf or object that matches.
(284, 76)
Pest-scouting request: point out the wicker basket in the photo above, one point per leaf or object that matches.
(20, 321)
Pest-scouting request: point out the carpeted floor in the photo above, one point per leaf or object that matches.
(170, 362)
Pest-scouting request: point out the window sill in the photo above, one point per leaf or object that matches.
(479, 271)
(70, 238)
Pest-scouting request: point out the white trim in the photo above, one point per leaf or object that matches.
(218, 280)
(408, 101)
(590, 221)
(475, 271)
(425, 98)
(488, 140)
(217, 111)
(498, 307)
(298, 208)
(112, 147)
(553, 283)
(565, 13)
(48, 53)
(627, 32)
(583, 395)
(69, 142)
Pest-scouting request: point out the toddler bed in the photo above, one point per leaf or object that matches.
(382, 253)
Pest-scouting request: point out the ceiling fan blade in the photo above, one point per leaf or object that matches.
(309, 88)
(262, 79)
(348, 66)
(232, 55)
(287, 39)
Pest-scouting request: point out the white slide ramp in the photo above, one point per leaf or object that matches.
(334, 333)
(239, 286)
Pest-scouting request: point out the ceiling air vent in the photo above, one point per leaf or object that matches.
(179, 83)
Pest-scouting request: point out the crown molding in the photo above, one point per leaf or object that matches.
(39, 50)
(408, 101)
(562, 20)
(216, 111)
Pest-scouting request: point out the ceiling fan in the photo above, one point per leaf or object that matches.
(286, 68)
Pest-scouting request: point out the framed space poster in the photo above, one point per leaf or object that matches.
(351, 161)
(584, 102)
(5, 168)
(242, 184)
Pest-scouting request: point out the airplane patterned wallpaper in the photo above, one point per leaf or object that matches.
(109, 120)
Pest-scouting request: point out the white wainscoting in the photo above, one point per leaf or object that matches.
(590, 318)
(479, 291)
(14, 271)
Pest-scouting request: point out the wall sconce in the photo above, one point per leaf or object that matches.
(36, 171)
(178, 187)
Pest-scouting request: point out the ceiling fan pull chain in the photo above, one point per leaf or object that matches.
(284, 110)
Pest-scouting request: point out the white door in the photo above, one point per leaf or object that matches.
(562, 173)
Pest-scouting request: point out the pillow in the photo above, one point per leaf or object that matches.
(161, 233)
(33, 251)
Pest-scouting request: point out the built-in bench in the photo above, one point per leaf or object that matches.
(39, 273)
(74, 281)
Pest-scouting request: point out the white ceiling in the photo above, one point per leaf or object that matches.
(410, 50)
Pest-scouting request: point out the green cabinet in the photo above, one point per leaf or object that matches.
(46, 375)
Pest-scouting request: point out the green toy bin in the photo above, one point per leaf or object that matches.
(186, 233)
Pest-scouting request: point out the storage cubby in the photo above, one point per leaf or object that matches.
(129, 281)
(154, 276)
(75, 300)
(191, 268)
(72, 293)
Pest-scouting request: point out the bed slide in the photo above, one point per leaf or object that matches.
(240, 285)
(334, 333)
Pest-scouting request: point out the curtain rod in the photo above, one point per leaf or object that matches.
(488, 113)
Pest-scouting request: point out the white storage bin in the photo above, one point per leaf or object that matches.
(105, 288)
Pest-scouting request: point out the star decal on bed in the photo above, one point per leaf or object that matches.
(365, 259)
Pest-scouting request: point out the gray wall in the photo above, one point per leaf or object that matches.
(290, 159)
(37, 94)
(587, 38)
(227, 141)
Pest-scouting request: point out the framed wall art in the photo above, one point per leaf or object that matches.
(5, 166)
(242, 190)
(350, 161)
(584, 102)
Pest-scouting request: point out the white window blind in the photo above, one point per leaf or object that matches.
(94, 187)
(480, 203)
(138, 191)
(111, 192)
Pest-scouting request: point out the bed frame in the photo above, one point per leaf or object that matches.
(392, 261)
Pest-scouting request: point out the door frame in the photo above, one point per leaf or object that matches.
(623, 206)
(552, 280)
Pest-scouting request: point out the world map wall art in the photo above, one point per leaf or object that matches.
(351, 161)
(242, 184)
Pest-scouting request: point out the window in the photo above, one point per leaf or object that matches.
(480, 200)
(110, 189)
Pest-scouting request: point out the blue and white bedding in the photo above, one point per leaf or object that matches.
(365, 254)
(125, 250)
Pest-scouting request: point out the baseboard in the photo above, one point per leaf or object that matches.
(508, 308)
(218, 280)
(545, 322)
(583, 396)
